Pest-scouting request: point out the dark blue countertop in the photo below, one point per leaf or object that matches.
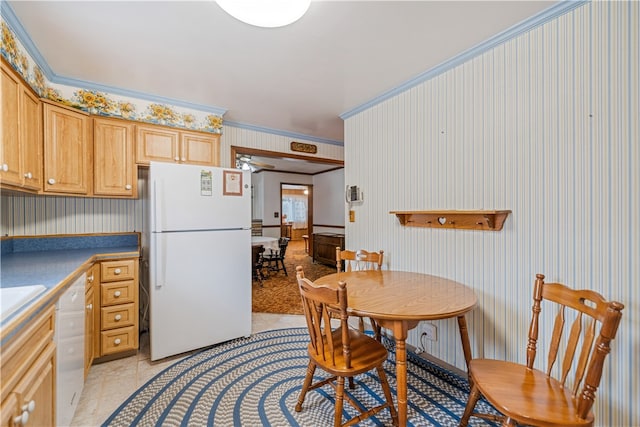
(54, 262)
(51, 267)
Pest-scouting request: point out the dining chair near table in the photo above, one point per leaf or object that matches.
(526, 395)
(257, 266)
(275, 258)
(358, 261)
(342, 352)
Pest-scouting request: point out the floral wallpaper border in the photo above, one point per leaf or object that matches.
(102, 103)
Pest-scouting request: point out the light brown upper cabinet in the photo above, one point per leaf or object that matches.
(67, 150)
(21, 149)
(200, 148)
(161, 144)
(114, 170)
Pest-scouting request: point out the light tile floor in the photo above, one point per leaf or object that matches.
(109, 384)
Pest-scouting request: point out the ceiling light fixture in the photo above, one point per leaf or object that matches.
(266, 13)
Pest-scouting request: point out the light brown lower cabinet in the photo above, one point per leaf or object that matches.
(118, 306)
(28, 379)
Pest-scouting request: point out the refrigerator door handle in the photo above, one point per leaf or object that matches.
(160, 270)
(157, 206)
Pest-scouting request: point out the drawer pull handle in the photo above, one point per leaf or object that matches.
(116, 294)
(51, 181)
(117, 271)
(5, 168)
(31, 406)
(127, 187)
(176, 158)
(117, 317)
(116, 341)
(21, 420)
(89, 306)
(28, 175)
(26, 410)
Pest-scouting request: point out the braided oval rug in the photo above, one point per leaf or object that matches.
(256, 381)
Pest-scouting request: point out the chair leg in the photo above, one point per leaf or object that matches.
(259, 276)
(339, 402)
(377, 330)
(283, 267)
(311, 369)
(471, 404)
(387, 394)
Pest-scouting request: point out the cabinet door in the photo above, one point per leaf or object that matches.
(31, 139)
(67, 150)
(114, 166)
(157, 144)
(10, 149)
(36, 390)
(199, 149)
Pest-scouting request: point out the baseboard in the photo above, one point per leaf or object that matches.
(426, 356)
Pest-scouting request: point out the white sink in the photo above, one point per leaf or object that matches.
(11, 299)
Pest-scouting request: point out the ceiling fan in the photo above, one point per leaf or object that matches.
(244, 161)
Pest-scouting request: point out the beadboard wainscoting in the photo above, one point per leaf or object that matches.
(546, 125)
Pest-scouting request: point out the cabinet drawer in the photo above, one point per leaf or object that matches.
(118, 316)
(117, 293)
(118, 340)
(111, 271)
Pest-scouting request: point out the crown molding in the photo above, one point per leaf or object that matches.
(293, 135)
(546, 15)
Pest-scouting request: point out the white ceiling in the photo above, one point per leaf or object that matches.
(297, 79)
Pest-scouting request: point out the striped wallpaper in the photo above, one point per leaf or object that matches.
(547, 125)
(38, 215)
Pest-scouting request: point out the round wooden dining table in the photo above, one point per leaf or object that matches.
(397, 301)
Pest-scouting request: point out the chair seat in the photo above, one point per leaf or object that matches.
(540, 395)
(366, 354)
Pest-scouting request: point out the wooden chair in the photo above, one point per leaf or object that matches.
(529, 396)
(360, 260)
(342, 352)
(257, 263)
(357, 261)
(276, 258)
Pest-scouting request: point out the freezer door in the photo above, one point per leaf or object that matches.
(188, 197)
(200, 289)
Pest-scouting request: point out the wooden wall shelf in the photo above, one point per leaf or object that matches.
(460, 219)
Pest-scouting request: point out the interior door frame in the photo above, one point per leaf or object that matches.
(309, 204)
(276, 154)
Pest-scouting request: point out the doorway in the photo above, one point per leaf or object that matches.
(296, 210)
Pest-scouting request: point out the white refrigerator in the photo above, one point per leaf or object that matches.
(199, 257)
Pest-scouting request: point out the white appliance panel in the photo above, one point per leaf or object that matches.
(200, 289)
(186, 197)
(69, 338)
